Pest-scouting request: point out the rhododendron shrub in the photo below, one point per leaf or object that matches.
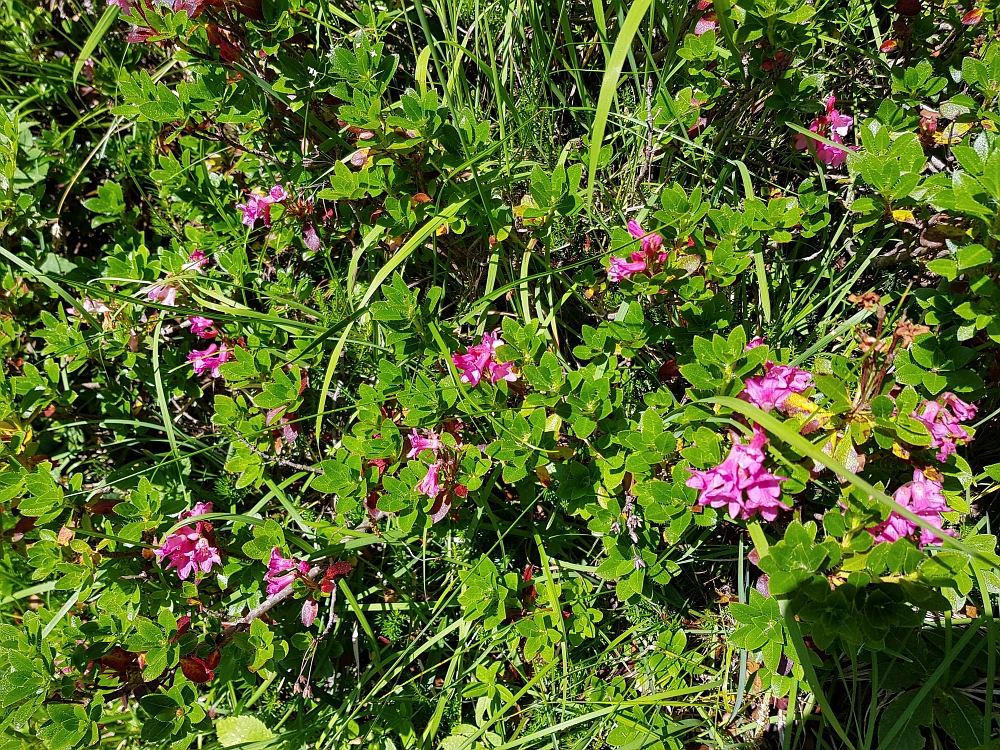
(395, 376)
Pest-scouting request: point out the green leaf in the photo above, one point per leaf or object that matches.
(971, 256)
(235, 730)
(609, 87)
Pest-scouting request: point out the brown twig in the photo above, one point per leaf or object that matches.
(261, 609)
(281, 461)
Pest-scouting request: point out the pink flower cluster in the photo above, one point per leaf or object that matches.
(740, 484)
(644, 261)
(281, 571)
(481, 360)
(942, 418)
(209, 360)
(769, 391)
(190, 550)
(259, 206)
(921, 496)
(833, 126)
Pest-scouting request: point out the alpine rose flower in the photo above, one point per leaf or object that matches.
(941, 418)
(740, 484)
(281, 571)
(259, 206)
(652, 243)
(165, 294)
(209, 360)
(481, 360)
(196, 261)
(769, 391)
(418, 444)
(190, 549)
(962, 410)
(646, 260)
(622, 269)
(202, 327)
(832, 125)
(429, 484)
(922, 496)
(754, 343)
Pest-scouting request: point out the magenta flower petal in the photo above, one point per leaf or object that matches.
(202, 327)
(622, 269)
(429, 484)
(418, 443)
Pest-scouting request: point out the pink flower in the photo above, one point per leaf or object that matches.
(125, 6)
(651, 243)
(921, 496)
(281, 571)
(706, 23)
(94, 306)
(209, 360)
(190, 550)
(501, 371)
(770, 390)
(202, 327)
(255, 208)
(740, 484)
(310, 608)
(429, 484)
(754, 343)
(196, 261)
(419, 444)
(622, 269)
(199, 509)
(943, 425)
(259, 206)
(480, 359)
(165, 294)
(832, 125)
(962, 410)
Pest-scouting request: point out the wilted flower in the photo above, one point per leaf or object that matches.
(311, 238)
(310, 608)
(740, 484)
(139, 35)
